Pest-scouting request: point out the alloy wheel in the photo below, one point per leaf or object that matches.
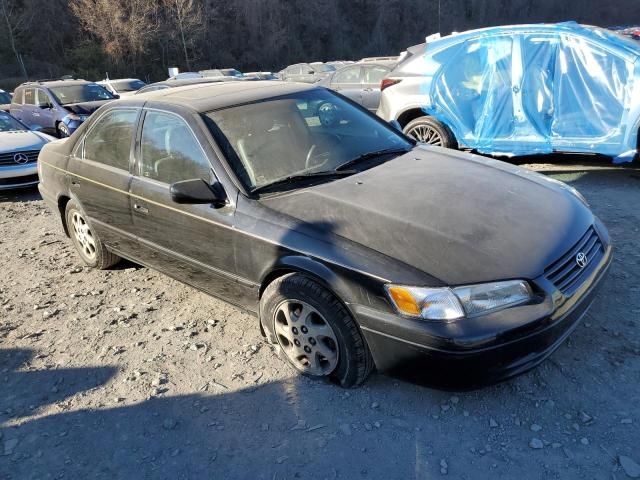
(306, 338)
(83, 235)
(426, 134)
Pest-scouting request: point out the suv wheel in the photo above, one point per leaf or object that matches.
(63, 131)
(431, 131)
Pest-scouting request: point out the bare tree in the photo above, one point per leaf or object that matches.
(125, 27)
(17, 21)
(186, 16)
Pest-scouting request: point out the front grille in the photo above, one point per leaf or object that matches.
(565, 273)
(18, 181)
(9, 158)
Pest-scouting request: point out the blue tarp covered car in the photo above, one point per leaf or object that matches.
(520, 90)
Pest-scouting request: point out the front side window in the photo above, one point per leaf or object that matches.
(109, 140)
(297, 134)
(89, 92)
(170, 152)
(5, 98)
(42, 98)
(128, 85)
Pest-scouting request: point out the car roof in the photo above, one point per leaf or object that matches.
(212, 96)
(56, 83)
(118, 80)
(566, 27)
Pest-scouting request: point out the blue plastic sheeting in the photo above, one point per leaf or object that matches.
(531, 91)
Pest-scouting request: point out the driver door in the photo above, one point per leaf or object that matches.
(192, 243)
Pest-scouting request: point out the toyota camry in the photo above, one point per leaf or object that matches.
(355, 247)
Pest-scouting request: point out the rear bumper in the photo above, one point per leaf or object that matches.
(459, 356)
(18, 176)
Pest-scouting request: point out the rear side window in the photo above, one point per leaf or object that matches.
(29, 96)
(170, 152)
(109, 141)
(374, 75)
(348, 75)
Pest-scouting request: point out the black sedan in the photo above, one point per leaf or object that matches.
(354, 246)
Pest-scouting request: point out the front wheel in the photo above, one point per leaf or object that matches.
(431, 131)
(314, 331)
(63, 131)
(88, 245)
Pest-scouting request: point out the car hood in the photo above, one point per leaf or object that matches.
(457, 217)
(85, 108)
(22, 140)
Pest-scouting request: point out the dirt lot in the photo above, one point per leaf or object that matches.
(128, 374)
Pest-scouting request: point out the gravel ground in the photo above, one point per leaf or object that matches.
(127, 374)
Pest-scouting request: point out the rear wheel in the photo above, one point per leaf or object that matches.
(431, 131)
(88, 245)
(314, 331)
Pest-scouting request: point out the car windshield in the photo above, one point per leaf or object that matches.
(305, 133)
(5, 98)
(616, 37)
(10, 124)
(89, 92)
(128, 85)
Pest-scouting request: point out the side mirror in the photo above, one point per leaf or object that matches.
(116, 96)
(45, 106)
(35, 128)
(396, 124)
(196, 192)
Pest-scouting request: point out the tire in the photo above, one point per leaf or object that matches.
(63, 130)
(352, 363)
(92, 251)
(431, 131)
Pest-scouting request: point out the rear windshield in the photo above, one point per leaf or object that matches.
(90, 92)
(128, 85)
(10, 124)
(4, 98)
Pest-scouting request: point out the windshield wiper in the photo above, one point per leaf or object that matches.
(303, 176)
(370, 155)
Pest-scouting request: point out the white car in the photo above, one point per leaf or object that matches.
(19, 150)
(123, 87)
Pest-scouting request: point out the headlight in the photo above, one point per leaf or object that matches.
(79, 118)
(454, 303)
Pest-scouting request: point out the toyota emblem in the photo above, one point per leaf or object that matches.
(582, 260)
(20, 158)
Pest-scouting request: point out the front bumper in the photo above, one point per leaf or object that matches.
(18, 176)
(476, 352)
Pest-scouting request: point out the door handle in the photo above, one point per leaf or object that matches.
(75, 183)
(140, 209)
(36, 114)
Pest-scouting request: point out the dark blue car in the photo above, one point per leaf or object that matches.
(58, 107)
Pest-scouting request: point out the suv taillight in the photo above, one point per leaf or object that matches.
(388, 82)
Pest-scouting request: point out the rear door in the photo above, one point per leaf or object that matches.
(348, 81)
(193, 243)
(28, 107)
(100, 177)
(44, 112)
(16, 104)
(372, 76)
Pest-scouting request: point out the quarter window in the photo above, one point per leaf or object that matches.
(109, 141)
(170, 151)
